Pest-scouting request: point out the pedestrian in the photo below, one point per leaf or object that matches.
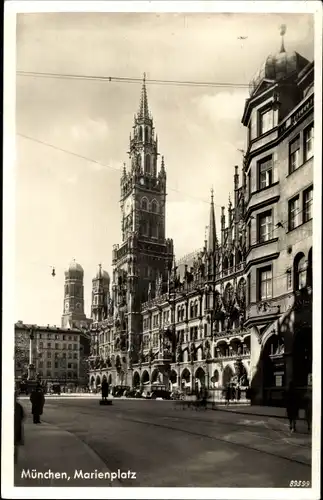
(19, 416)
(105, 390)
(238, 393)
(228, 394)
(292, 406)
(37, 400)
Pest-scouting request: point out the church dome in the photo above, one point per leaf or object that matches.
(279, 66)
(74, 267)
(102, 274)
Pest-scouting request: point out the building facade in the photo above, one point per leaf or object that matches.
(240, 309)
(179, 325)
(279, 171)
(58, 355)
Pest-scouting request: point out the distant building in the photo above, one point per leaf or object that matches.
(58, 354)
(73, 314)
(279, 116)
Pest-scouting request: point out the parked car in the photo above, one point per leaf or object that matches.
(119, 390)
(160, 391)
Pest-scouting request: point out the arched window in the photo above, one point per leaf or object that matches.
(196, 309)
(146, 134)
(147, 164)
(179, 314)
(300, 272)
(140, 134)
(154, 206)
(239, 257)
(144, 204)
(231, 260)
(225, 263)
(192, 310)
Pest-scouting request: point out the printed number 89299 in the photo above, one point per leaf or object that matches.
(300, 484)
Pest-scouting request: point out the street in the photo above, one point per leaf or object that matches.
(168, 446)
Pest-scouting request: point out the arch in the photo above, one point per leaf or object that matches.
(146, 134)
(200, 376)
(227, 375)
(136, 379)
(144, 203)
(186, 375)
(92, 381)
(154, 375)
(231, 263)
(140, 134)
(145, 377)
(98, 380)
(154, 206)
(185, 355)
(310, 268)
(196, 309)
(216, 376)
(104, 378)
(147, 163)
(300, 271)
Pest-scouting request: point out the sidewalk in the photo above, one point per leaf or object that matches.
(56, 452)
(261, 411)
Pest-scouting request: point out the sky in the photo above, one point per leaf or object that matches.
(67, 207)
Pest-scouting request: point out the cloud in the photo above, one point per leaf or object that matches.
(222, 106)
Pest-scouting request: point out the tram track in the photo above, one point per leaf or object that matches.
(230, 425)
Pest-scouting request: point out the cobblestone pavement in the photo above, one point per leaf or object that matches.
(168, 446)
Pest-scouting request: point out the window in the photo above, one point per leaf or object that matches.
(144, 228)
(75, 355)
(266, 121)
(56, 346)
(265, 283)
(154, 206)
(49, 354)
(308, 142)
(307, 204)
(293, 213)
(265, 172)
(249, 183)
(64, 337)
(144, 204)
(264, 227)
(249, 234)
(294, 154)
(147, 164)
(300, 269)
(49, 345)
(56, 364)
(75, 338)
(40, 345)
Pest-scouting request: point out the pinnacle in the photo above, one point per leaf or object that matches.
(143, 107)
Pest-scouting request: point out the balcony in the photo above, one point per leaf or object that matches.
(270, 308)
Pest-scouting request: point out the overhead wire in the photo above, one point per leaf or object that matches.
(118, 79)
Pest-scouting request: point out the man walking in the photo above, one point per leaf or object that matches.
(291, 406)
(105, 390)
(37, 400)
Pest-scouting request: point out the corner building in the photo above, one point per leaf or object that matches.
(279, 170)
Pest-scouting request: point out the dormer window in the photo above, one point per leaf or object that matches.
(266, 120)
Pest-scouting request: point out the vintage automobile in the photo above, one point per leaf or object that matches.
(119, 390)
(159, 391)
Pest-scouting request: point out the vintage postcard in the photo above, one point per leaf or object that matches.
(162, 217)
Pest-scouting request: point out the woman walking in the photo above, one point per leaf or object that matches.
(37, 400)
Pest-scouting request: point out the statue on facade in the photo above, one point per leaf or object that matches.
(192, 352)
(150, 355)
(207, 349)
(149, 292)
(239, 350)
(178, 353)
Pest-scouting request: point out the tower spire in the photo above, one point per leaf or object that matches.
(212, 239)
(143, 107)
(282, 33)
